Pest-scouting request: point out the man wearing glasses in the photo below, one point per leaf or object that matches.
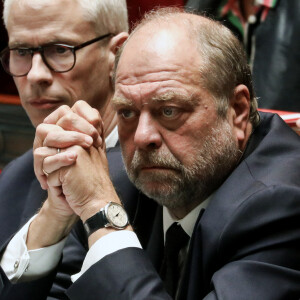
(59, 52)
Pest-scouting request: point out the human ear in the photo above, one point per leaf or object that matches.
(115, 43)
(240, 110)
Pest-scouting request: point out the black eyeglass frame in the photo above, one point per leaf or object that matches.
(40, 49)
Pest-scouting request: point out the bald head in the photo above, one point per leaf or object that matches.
(214, 51)
(160, 50)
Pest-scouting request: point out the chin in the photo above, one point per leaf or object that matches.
(37, 121)
(160, 191)
(38, 117)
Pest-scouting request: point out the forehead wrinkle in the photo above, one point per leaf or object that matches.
(177, 98)
(191, 100)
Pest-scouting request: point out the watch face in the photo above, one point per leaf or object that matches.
(116, 215)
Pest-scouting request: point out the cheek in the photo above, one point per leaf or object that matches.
(179, 147)
(94, 88)
(183, 145)
(72, 81)
(20, 84)
(127, 143)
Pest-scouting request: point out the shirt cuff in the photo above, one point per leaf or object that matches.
(108, 244)
(20, 265)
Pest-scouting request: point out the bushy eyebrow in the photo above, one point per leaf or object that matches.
(177, 98)
(190, 100)
(120, 101)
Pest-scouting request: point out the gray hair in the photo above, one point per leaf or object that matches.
(107, 15)
(224, 63)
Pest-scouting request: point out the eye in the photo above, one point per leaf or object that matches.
(127, 113)
(21, 52)
(60, 49)
(169, 112)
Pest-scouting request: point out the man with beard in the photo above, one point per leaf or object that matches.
(224, 177)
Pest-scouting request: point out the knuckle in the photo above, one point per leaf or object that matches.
(95, 119)
(96, 116)
(77, 149)
(37, 153)
(79, 103)
(40, 129)
(68, 118)
(51, 136)
(64, 109)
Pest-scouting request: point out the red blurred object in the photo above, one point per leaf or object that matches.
(289, 117)
(137, 8)
(9, 99)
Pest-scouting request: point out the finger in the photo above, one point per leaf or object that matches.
(55, 165)
(42, 131)
(57, 161)
(55, 188)
(57, 192)
(90, 114)
(57, 114)
(87, 112)
(53, 181)
(74, 122)
(64, 139)
(39, 155)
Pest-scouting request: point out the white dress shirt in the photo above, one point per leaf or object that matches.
(188, 222)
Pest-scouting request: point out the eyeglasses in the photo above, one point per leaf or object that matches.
(59, 58)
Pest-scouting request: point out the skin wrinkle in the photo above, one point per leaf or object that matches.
(183, 184)
(173, 159)
(170, 96)
(179, 76)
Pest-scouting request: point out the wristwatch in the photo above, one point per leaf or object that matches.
(112, 215)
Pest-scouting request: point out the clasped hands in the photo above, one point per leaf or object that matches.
(78, 181)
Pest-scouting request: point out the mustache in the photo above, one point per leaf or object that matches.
(155, 158)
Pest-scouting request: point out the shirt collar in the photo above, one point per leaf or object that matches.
(112, 139)
(188, 222)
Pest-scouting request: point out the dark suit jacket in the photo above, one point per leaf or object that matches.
(246, 245)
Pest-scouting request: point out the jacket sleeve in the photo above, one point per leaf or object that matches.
(125, 274)
(258, 252)
(34, 290)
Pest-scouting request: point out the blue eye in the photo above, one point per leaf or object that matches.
(169, 112)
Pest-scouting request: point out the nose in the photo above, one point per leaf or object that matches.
(147, 134)
(39, 72)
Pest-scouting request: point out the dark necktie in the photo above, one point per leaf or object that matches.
(176, 239)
